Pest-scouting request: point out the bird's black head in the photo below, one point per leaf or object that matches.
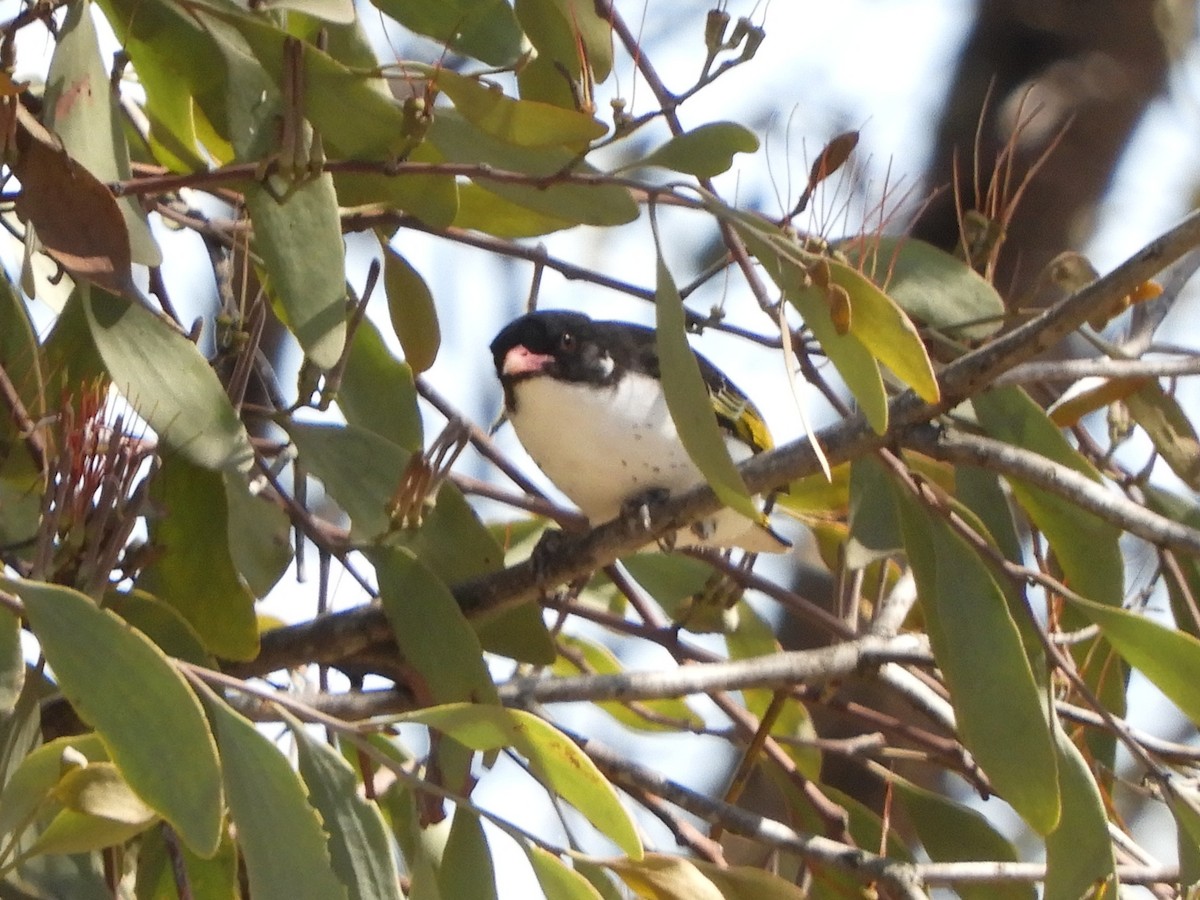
(565, 345)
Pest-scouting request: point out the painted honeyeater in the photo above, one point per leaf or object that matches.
(586, 400)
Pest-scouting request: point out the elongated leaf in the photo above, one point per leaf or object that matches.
(1086, 546)
(688, 399)
(930, 285)
(280, 835)
(1167, 425)
(80, 109)
(554, 760)
(30, 784)
(788, 267)
(466, 872)
(951, 832)
(358, 840)
(523, 123)
(705, 152)
(978, 647)
(209, 879)
(557, 28)
(259, 535)
(96, 657)
(556, 879)
(410, 306)
(745, 883)
(189, 411)
(378, 392)
(485, 29)
(1169, 658)
(582, 204)
(12, 663)
(665, 878)
(300, 241)
(874, 528)
(359, 469)
(430, 630)
(1079, 851)
(1185, 807)
(71, 832)
(193, 569)
(886, 331)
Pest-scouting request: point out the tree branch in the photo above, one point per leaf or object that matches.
(580, 554)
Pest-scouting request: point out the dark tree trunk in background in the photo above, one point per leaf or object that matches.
(1100, 61)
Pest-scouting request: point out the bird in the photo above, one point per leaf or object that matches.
(585, 398)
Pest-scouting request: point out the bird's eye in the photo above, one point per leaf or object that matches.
(567, 341)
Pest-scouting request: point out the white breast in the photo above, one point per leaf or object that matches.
(604, 446)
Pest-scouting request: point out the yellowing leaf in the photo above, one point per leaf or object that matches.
(554, 760)
(96, 657)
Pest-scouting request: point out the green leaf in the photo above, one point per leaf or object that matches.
(482, 210)
(1079, 851)
(452, 541)
(555, 26)
(519, 633)
(1170, 659)
(484, 29)
(929, 284)
(1185, 807)
(95, 658)
(410, 306)
(12, 662)
(1086, 546)
(209, 879)
(522, 123)
(378, 393)
(162, 623)
(557, 880)
(553, 759)
(430, 198)
(300, 241)
(466, 872)
(788, 267)
(193, 569)
(1182, 596)
(259, 535)
(951, 832)
(670, 578)
(581, 204)
(705, 152)
(359, 469)
(1167, 425)
(444, 653)
(189, 411)
(996, 699)
(688, 400)
(874, 528)
(359, 845)
(31, 783)
(80, 109)
(280, 835)
(886, 331)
